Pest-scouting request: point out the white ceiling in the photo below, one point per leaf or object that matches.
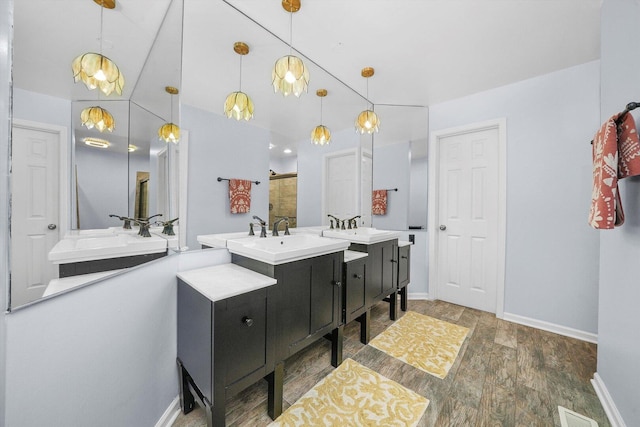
(424, 52)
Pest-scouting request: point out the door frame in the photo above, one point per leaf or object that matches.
(432, 210)
(64, 184)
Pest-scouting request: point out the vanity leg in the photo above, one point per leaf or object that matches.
(365, 326)
(403, 298)
(337, 338)
(186, 398)
(275, 381)
(393, 306)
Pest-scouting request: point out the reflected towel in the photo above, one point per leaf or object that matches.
(616, 155)
(379, 202)
(239, 195)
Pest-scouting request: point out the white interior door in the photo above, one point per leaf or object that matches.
(35, 208)
(467, 218)
(340, 185)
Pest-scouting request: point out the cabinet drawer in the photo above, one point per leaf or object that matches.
(240, 331)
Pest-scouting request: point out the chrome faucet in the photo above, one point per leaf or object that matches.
(127, 221)
(277, 223)
(263, 226)
(337, 221)
(167, 227)
(353, 220)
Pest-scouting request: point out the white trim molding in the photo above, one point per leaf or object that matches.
(552, 327)
(170, 415)
(418, 296)
(607, 402)
(432, 208)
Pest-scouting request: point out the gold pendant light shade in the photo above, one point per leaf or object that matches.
(289, 76)
(97, 117)
(98, 71)
(169, 132)
(239, 106)
(321, 135)
(367, 121)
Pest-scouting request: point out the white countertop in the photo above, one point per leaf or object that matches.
(353, 255)
(402, 243)
(224, 281)
(65, 283)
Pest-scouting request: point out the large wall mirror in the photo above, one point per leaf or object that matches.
(127, 172)
(218, 146)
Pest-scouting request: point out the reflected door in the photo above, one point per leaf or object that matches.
(468, 219)
(34, 211)
(340, 185)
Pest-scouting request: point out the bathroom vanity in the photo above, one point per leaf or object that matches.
(226, 337)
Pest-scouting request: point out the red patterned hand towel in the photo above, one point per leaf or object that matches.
(616, 155)
(239, 195)
(379, 202)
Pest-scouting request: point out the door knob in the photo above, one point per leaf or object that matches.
(52, 226)
(443, 227)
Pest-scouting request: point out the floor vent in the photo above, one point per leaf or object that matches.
(569, 418)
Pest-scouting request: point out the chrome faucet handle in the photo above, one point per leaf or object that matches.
(286, 228)
(350, 221)
(342, 226)
(331, 223)
(251, 233)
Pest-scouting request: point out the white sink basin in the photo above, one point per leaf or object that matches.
(364, 235)
(220, 240)
(282, 249)
(108, 246)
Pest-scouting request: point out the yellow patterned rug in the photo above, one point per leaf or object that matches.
(428, 344)
(353, 395)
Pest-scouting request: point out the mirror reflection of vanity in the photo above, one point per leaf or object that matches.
(220, 147)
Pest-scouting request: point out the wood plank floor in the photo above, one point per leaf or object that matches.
(505, 374)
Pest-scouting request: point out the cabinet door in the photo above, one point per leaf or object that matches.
(404, 266)
(240, 333)
(389, 266)
(354, 289)
(324, 293)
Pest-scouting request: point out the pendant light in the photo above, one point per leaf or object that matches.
(289, 74)
(321, 134)
(238, 104)
(367, 120)
(97, 117)
(170, 132)
(96, 70)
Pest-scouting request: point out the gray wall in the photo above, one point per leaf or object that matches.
(223, 147)
(619, 317)
(6, 22)
(102, 355)
(418, 192)
(551, 253)
(392, 169)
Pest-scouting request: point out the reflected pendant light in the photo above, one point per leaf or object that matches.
(321, 134)
(97, 117)
(96, 70)
(238, 104)
(289, 74)
(367, 120)
(170, 132)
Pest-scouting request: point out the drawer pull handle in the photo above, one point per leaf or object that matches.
(337, 283)
(247, 321)
(404, 257)
(357, 276)
(393, 260)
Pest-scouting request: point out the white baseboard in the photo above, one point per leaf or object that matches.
(552, 327)
(418, 295)
(170, 415)
(615, 419)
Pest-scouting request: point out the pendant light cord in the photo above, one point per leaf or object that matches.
(290, 32)
(240, 73)
(321, 121)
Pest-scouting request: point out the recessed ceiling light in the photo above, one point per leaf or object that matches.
(271, 146)
(97, 142)
(287, 151)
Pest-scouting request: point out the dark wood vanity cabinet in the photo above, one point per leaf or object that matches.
(308, 297)
(354, 292)
(223, 346)
(404, 273)
(380, 269)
